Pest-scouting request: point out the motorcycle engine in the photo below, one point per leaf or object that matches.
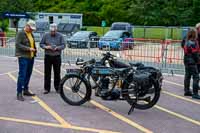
(105, 83)
(103, 88)
(106, 89)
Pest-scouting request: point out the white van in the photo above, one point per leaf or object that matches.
(122, 26)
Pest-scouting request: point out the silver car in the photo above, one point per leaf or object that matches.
(83, 39)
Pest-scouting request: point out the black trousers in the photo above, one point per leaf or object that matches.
(50, 61)
(191, 71)
(198, 66)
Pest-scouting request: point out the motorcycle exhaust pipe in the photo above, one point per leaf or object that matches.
(146, 99)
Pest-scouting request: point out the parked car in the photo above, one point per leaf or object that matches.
(83, 39)
(68, 28)
(42, 26)
(65, 37)
(122, 26)
(116, 40)
(37, 36)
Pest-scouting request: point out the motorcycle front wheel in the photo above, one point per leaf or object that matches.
(144, 102)
(74, 90)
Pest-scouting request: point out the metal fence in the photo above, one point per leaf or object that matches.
(162, 32)
(166, 55)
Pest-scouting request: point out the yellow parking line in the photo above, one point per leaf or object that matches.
(64, 124)
(46, 107)
(41, 73)
(7, 72)
(178, 115)
(91, 129)
(177, 96)
(31, 122)
(156, 106)
(180, 97)
(120, 117)
(55, 125)
(173, 83)
(52, 112)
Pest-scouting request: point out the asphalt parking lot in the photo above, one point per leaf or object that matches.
(49, 113)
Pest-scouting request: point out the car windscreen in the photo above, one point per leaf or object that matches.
(119, 27)
(61, 26)
(113, 34)
(81, 35)
(122, 26)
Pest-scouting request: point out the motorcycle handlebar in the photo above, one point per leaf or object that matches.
(108, 54)
(92, 61)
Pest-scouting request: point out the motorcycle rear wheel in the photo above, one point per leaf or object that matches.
(72, 87)
(142, 104)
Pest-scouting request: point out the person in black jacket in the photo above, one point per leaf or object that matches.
(190, 61)
(198, 40)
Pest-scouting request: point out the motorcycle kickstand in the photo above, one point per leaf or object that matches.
(133, 106)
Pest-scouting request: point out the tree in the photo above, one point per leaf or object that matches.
(16, 6)
(137, 12)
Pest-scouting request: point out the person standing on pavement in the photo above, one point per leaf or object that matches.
(198, 40)
(190, 61)
(25, 51)
(53, 43)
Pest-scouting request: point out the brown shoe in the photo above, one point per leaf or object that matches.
(20, 97)
(27, 93)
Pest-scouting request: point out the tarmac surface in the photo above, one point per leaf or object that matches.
(49, 113)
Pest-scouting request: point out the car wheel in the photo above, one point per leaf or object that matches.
(85, 46)
(117, 49)
(93, 45)
(120, 47)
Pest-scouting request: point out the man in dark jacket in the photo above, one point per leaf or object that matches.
(53, 43)
(25, 51)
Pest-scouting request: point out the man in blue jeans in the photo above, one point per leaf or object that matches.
(25, 51)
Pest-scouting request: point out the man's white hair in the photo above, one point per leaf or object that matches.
(53, 27)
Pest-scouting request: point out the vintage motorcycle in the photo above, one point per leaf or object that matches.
(111, 79)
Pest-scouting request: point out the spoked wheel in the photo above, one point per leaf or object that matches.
(145, 101)
(74, 90)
